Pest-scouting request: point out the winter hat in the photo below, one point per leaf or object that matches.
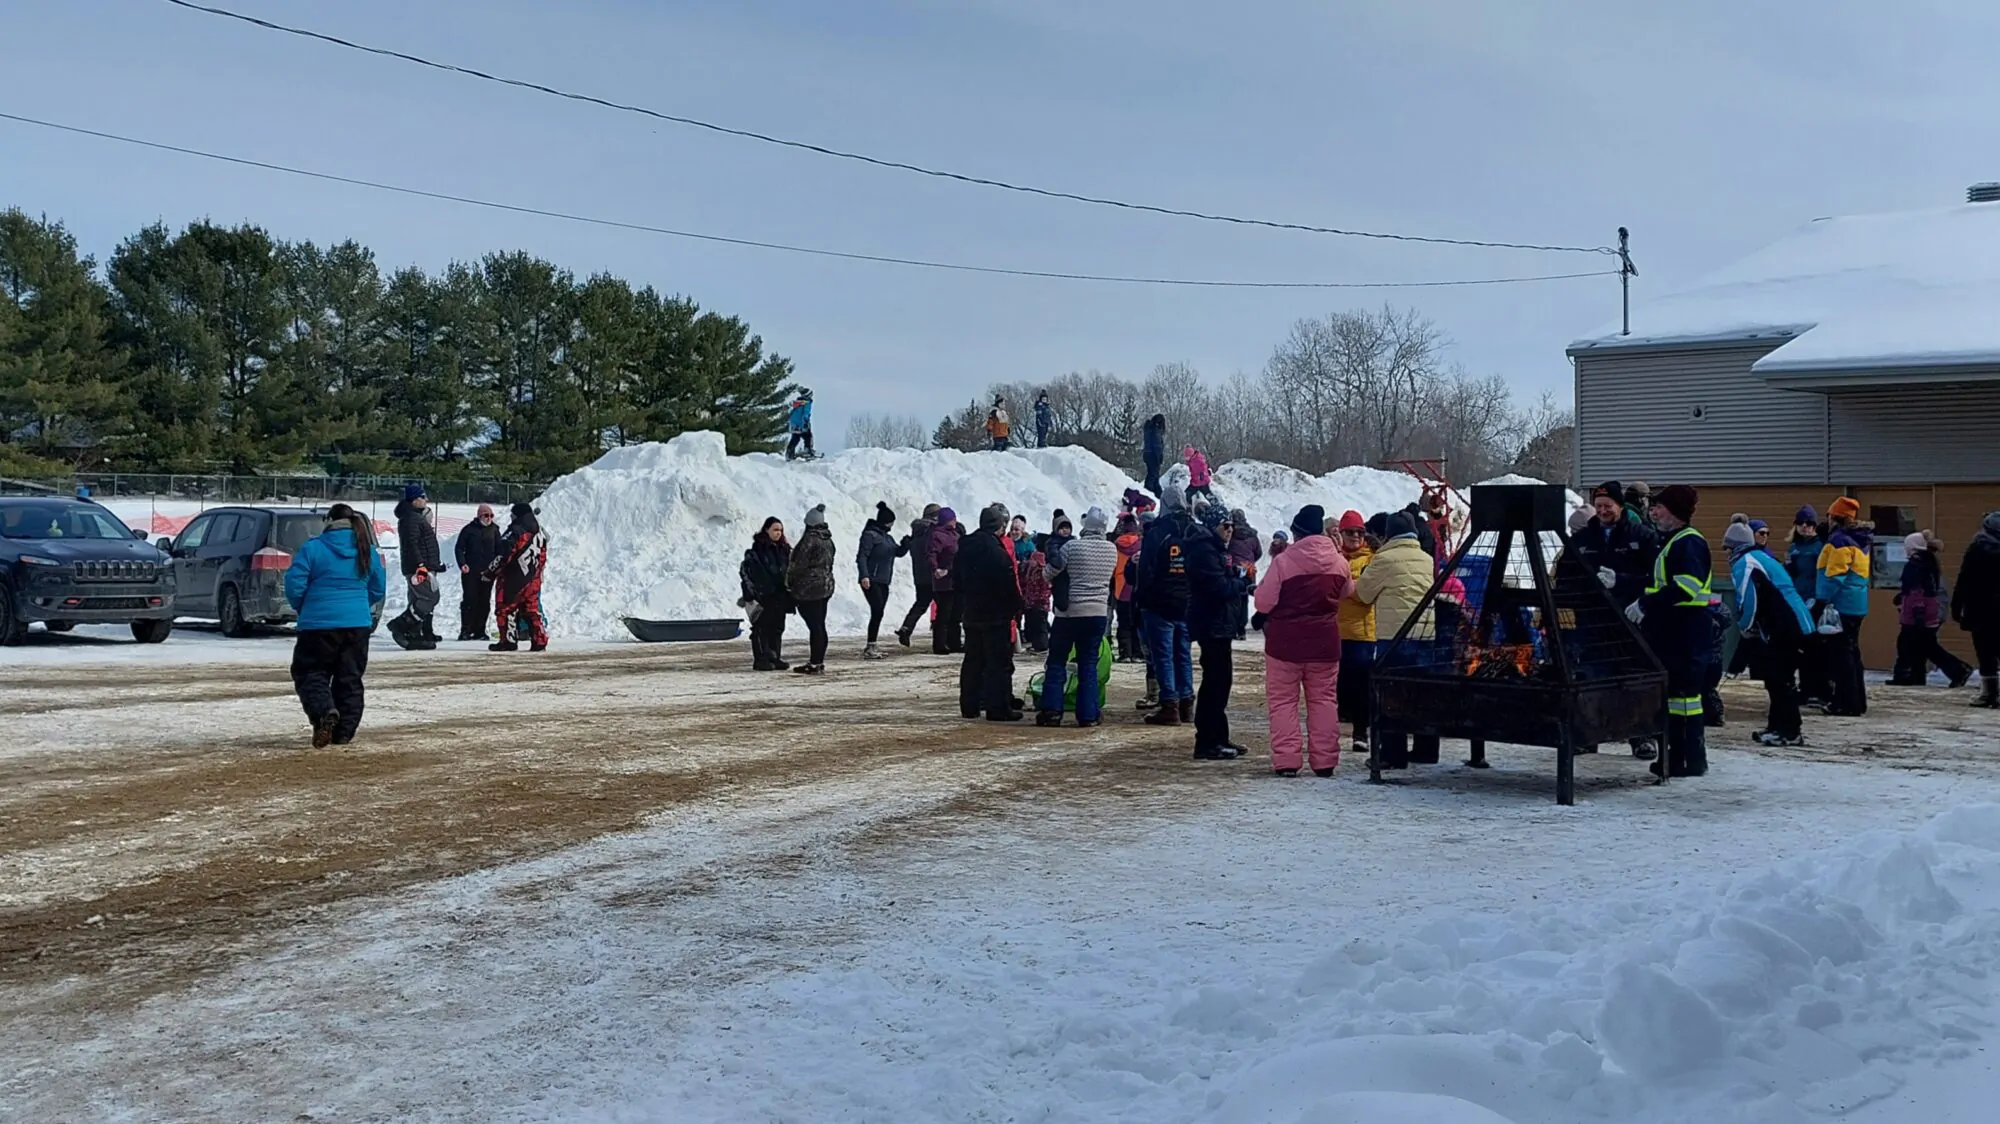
(1844, 508)
(931, 510)
(946, 516)
(1611, 490)
(1681, 500)
(1237, 517)
(993, 518)
(1739, 536)
(1094, 521)
(883, 515)
(1377, 525)
(1352, 521)
(1187, 451)
(1638, 493)
(1058, 517)
(1280, 536)
(1912, 544)
(1311, 520)
(1806, 517)
(415, 492)
(1401, 524)
(1020, 523)
(522, 510)
(816, 516)
(1173, 499)
(1759, 526)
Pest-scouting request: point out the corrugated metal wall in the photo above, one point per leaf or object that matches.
(1637, 417)
(1930, 435)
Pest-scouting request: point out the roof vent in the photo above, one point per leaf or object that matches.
(1983, 193)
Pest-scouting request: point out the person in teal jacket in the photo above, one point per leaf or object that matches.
(800, 422)
(1769, 609)
(1844, 567)
(336, 582)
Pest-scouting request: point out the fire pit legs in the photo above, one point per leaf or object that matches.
(1478, 758)
(1566, 768)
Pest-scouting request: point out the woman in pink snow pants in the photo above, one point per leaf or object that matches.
(1298, 603)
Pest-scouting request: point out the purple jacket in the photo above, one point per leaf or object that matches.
(942, 552)
(1300, 599)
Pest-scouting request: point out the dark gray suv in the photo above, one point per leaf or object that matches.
(230, 562)
(68, 562)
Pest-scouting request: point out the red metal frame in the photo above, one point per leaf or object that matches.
(1430, 474)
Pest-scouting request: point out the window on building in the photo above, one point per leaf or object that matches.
(1885, 564)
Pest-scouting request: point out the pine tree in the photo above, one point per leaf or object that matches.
(738, 391)
(58, 397)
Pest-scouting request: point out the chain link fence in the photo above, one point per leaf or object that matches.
(269, 489)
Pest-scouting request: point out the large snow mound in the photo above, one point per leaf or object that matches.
(657, 530)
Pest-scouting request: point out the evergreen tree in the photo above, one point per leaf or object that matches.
(58, 397)
(737, 390)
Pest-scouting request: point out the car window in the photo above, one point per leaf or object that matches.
(221, 531)
(195, 533)
(293, 531)
(60, 521)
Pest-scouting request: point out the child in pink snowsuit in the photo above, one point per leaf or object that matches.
(1299, 605)
(1198, 474)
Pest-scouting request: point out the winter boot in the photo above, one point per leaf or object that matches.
(541, 647)
(323, 729)
(809, 669)
(1051, 718)
(1645, 749)
(1214, 753)
(1989, 693)
(1007, 716)
(872, 652)
(1286, 772)
(1169, 714)
(1322, 774)
(503, 646)
(1963, 677)
(1187, 710)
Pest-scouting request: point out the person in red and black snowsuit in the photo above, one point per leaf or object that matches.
(517, 575)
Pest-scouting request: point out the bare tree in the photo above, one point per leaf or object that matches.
(1548, 449)
(887, 431)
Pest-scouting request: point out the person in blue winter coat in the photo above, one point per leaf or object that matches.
(1845, 567)
(1045, 419)
(1770, 610)
(801, 424)
(336, 582)
(1155, 450)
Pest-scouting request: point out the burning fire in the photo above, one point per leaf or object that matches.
(1497, 658)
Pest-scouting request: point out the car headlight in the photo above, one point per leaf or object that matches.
(38, 560)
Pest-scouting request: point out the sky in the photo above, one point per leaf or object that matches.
(1708, 127)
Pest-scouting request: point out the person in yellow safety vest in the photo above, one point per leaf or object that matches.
(1674, 614)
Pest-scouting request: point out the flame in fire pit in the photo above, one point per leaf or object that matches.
(1501, 661)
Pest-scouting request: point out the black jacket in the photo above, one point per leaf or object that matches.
(1155, 439)
(416, 540)
(1625, 548)
(983, 577)
(1163, 574)
(875, 558)
(1215, 587)
(916, 544)
(1426, 537)
(1975, 603)
(477, 546)
(763, 574)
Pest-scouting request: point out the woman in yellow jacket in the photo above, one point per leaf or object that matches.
(1394, 582)
(1357, 630)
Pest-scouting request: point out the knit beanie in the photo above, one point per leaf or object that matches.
(993, 518)
(883, 515)
(1352, 521)
(817, 516)
(1173, 499)
(1806, 517)
(1311, 520)
(1913, 544)
(415, 492)
(1637, 494)
(931, 510)
(1400, 524)
(1280, 536)
(946, 517)
(1759, 526)
(1681, 500)
(1844, 508)
(1094, 521)
(1738, 536)
(1610, 489)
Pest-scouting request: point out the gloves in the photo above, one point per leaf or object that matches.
(1257, 621)
(1607, 577)
(1635, 612)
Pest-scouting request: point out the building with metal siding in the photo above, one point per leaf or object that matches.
(1895, 402)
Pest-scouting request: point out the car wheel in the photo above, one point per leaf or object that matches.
(58, 626)
(12, 628)
(229, 610)
(152, 632)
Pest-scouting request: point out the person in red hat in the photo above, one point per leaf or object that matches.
(1674, 613)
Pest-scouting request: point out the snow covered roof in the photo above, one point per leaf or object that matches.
(1917, 288)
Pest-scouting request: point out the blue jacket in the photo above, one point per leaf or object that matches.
(1744, 570)
(802, 415)
(322, 585)
(1803, 559)
(1844, 567)
(1045, 415)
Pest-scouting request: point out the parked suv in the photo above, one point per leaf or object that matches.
(229, 564)
(68, 562)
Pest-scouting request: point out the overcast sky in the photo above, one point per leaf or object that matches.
(1707, 126)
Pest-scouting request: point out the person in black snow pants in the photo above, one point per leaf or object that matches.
(1674, 614)
(1045, 419)
(762, 575)
(917, 545)
(876, 558)
(989, 602)
(335, 581)
(417, 548)
(1975, 605)
(478, 544)
(810, 579)
(943, 556)
(1155, 449)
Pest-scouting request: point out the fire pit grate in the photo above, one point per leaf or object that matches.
(1517, 642)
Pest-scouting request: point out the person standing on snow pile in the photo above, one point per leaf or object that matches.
(997, 426)
(1357, 631)
(517, 573)
(1619, 550)
(800, 422)
(1246, 549)
(1770, 611)
(1125, 586)
(1976, 607)
(810, 580)
(335, 581)
(1920, 610)
(1045, 419)
(1082, 571)
(989, 596)
(1163, 608)
(1215, 596)
(1808, 539)
(917, 544)
(942, 557)
(1395, 581)
(1675, 617)
(1138, 503)
(1154, 448)
(1199, 478)
(477, 545)
(876, 558)
(1844, 568)
(1300, 607)
(417, 548)
(762, 575)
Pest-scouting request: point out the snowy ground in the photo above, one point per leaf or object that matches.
(641, 884)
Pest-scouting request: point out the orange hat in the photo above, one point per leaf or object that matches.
(1352, 521)
(1844, 508)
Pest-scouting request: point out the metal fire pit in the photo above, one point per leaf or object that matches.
(1531, 651)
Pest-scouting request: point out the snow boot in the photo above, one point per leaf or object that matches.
(1322, 774)
(780, 665)
(809, 669)
(1285, 772)
(1214, 753)
(542, 647)
(1087, 723)
(1148, 701)
(323, 729)
(872, 652)
(1051, 718)
(1989, 693)
(503, 646)
(1006, 716)
(1187, 710)
(1645, 749)
(1169, 714)
(1963, 677)
(903, 637)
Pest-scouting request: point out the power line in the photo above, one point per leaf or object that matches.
(880, 162)
(784, 247)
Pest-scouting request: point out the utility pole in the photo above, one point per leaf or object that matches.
(1626, 272)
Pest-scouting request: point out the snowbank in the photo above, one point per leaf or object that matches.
(657, 530)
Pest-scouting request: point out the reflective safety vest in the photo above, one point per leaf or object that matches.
(1693, 592)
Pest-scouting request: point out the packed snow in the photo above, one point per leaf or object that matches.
(1846, 293)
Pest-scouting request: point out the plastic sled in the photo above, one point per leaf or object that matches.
(678, 632)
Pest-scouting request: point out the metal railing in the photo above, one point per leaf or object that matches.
(268, 489)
